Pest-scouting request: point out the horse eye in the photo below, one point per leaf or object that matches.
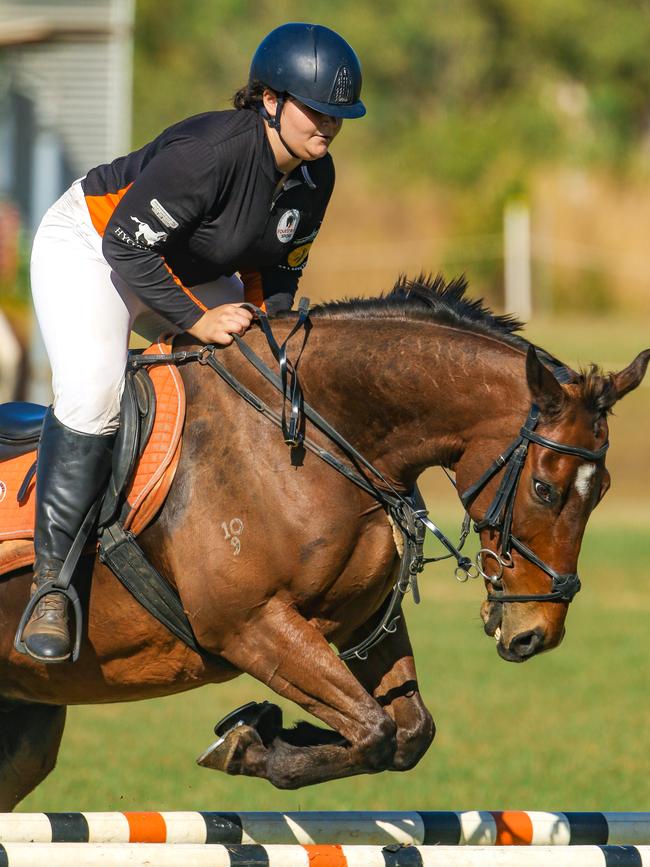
(543, 491)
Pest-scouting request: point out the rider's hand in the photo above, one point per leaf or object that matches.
(220, 323)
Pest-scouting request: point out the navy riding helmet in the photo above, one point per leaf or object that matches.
(313, 64)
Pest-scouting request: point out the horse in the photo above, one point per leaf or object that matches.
(422, 376)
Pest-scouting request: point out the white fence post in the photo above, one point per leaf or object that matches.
(517, 259)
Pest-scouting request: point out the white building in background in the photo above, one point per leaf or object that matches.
(65, 105)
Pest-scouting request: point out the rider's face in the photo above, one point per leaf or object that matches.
(307, 132)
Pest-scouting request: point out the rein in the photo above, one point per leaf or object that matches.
(407, 511)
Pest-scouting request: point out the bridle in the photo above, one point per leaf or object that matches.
(499, 515)
(407, 511)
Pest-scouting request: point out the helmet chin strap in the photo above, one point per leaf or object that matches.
(274, 123)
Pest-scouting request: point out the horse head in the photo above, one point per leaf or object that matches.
(532, 503)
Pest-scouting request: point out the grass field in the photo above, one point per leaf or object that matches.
(567, 730)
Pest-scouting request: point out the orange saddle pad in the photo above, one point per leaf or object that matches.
(146, 491)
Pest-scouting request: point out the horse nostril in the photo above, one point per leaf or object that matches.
(527, 643)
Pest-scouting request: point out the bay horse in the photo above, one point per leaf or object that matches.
(420, 377)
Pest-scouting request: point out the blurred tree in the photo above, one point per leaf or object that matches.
(452, 85)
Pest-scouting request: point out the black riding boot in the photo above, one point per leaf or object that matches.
(72, 470)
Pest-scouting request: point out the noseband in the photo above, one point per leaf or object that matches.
(500, 513)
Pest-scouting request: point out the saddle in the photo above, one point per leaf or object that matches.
(145, 457)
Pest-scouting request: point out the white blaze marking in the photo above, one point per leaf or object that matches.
(583, 479)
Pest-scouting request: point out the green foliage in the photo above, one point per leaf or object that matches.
(585, 290)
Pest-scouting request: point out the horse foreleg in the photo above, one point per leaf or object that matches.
(30, 736)
(284, 651)
(389, 675)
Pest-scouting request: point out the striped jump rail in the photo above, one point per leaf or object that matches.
(421, 828)
(252, 855)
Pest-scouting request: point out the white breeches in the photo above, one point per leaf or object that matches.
(86, 314)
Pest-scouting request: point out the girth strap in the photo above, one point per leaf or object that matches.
(122, 554)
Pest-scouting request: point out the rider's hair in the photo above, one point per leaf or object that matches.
(250, 96)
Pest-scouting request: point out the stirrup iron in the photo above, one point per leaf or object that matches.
(71, 595)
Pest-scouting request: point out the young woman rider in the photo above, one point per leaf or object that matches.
(160, 234)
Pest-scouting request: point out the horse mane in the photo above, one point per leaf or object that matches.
(431, 298)
(446, 303)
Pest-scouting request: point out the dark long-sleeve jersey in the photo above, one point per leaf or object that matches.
(202, 200)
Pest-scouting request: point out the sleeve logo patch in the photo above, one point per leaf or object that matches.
(287, 225)
(298, 257)
(147, 234)
(163, 215)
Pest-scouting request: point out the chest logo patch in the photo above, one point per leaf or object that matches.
(287, 225)
(298, 257)
(3, 491)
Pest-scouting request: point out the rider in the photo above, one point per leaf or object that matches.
(159, 235)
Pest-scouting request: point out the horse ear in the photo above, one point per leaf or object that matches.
(629, 378)
(545, 390)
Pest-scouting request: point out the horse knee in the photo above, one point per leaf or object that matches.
(414, 740)
(379, 745)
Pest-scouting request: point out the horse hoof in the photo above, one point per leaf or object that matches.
(226, 753)
(264, 717)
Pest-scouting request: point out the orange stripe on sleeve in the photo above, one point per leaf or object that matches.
(513, 828)
(101, 208)
(253, 291)
(146, 828)
(187, 291)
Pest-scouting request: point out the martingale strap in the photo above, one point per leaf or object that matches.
(407, 511)
(387, 495)
(289, 382)
(120, 551)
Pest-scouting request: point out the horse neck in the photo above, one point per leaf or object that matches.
(413, 394)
